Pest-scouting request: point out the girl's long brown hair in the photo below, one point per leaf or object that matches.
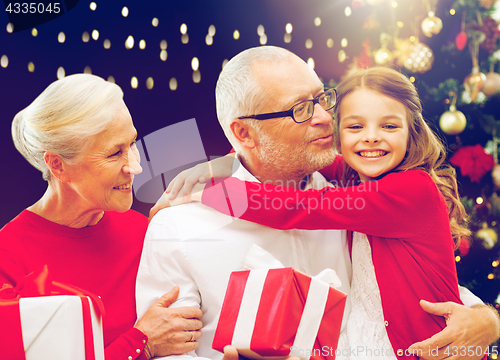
(425, 151)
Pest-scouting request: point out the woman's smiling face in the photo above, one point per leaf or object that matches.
(102, 179)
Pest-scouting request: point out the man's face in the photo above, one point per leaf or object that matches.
(291, 148)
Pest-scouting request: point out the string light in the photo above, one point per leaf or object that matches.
(342, 56)
(111, 79)
(263, 39)
(154, 22)
(288, 38)
(163, 55)
(236, 35)
(93, 6)
(95, 35)
(329, 43)
(4, 61)
(142, 44)
(125, 11)
(107, 44)
(343, 42)
(61, 37)
(211, 30)
(129, 43)
(195, 63)
(163, 44)
(260, 30)
(209, 40)
(457, 258)
(196, 77)
(288, 28)
(184, 29)
(479, 200)
(185, 38)
(34, 32)
(348, 11)
(452, 11)
(495, 263)
(60, 73)
(224, 63)
(309, 43)
(134, 82)
(172, 84)
(85, 37)
(31, 67)
(491, 276)
(317, 21)
(150, 83)
(87, 70)
(10, 27)
(310, 62)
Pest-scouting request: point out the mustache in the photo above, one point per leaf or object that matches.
(326, 130)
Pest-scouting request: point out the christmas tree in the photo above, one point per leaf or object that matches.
(450, 50)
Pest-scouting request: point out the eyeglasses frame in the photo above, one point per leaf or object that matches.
(275, 115)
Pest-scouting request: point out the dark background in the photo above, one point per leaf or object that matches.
(159, 107)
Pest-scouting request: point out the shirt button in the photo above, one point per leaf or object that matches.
(386, 323)
(138, 351)
(143, 341)
(130, 358)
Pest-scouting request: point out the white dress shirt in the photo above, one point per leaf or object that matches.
(196, 248)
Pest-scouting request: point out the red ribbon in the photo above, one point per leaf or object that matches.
(33, 285)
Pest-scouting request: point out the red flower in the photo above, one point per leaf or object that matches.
(473, 162)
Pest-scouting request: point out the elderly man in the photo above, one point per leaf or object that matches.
(197, 248)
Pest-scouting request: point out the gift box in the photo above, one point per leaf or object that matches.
(278, 313)
(41, 319)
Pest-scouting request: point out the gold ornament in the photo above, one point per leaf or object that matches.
(488, 235)
(413, 55)
(495, 174)
(491, 85)
(452, 122)
(431, 25)
(474, 82)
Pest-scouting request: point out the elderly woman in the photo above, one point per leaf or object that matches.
(80, 135)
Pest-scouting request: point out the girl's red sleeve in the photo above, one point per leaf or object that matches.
(401, 205)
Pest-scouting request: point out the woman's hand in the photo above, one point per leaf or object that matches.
(170, 331)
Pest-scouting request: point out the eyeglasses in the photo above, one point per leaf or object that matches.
(302, 111)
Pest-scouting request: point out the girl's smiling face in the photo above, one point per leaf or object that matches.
(373, 132)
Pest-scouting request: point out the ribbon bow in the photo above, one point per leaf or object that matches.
(37, 284)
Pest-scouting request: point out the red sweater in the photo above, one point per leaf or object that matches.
(406, 219)
(102, 259)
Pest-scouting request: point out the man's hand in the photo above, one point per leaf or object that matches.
(467, 330)
(170, 331)
(230, 353)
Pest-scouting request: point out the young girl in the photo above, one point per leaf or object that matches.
(405, 213)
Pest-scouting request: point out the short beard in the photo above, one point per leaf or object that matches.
(287, 163)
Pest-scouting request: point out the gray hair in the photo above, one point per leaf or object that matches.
(64, 118)
(238, 93)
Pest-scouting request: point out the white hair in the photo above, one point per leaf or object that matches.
(238, 93)
(64, 118)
